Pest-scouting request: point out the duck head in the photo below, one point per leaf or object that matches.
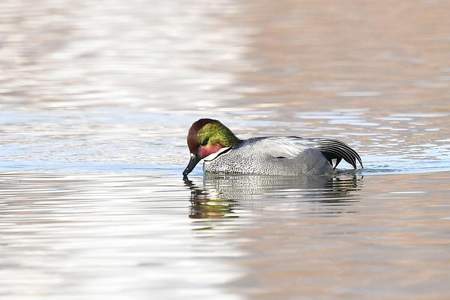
(206, 137)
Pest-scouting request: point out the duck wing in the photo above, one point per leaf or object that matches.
(292, 146)
(278, 147)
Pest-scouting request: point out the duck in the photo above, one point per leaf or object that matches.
(223, 152)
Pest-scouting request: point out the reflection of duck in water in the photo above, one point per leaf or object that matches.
(223, 152)
(208, 203)
(222, 194)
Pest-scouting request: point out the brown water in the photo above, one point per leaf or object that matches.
(95, 102)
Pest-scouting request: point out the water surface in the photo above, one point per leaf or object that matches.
(95, 103)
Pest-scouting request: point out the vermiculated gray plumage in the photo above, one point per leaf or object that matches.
(290, 156)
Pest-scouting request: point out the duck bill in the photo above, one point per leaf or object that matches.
(191, 165)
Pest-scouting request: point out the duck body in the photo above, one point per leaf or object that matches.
(222, 152)
(286, 156)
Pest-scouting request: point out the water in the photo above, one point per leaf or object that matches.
(95, 103)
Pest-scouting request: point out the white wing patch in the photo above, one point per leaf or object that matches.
(286, 147)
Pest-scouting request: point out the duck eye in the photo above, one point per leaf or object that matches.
(204, 142)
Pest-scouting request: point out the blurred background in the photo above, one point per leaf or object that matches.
(96, 98)
(221, 56)
(145, 70)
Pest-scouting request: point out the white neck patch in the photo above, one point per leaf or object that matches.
(212, 156)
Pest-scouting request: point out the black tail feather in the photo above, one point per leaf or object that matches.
(336, 150)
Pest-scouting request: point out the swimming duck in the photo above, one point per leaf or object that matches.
(223, 152)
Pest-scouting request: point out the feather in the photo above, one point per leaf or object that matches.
(290, 147)
(333, 149)
(277, 147)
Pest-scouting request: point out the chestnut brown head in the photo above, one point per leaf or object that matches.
(205, 137)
